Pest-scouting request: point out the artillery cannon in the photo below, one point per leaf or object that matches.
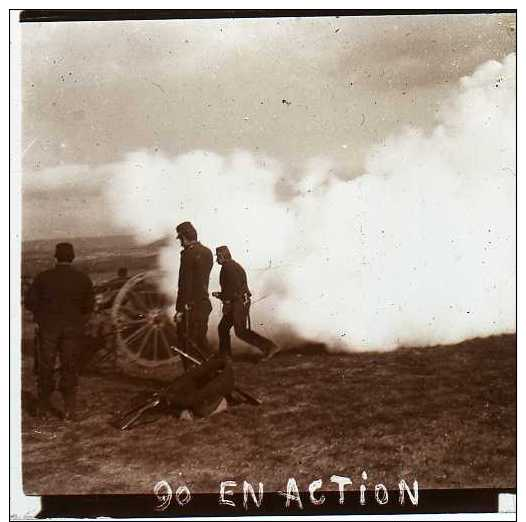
(145, 335)
(137, 318)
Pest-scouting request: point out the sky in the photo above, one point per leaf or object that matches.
(289, 90)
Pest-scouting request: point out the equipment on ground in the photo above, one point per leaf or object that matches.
(158, 399)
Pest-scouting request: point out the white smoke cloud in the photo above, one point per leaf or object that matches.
(419, 250)
(229, 200)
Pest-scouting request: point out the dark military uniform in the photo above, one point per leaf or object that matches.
(109, 291)
(202, 388)
(192, 297)
(61, 300)
(235, 295)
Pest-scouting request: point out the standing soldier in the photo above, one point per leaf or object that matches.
(109, 289)
(193, 303)
(235, 295)
(61, 300)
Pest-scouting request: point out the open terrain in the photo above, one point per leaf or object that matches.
(445, 416)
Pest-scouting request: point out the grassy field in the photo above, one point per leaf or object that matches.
(444, 416)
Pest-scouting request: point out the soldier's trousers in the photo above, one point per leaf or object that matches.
(62, 342)
(236, 314)
(201, 388)
(197, 322)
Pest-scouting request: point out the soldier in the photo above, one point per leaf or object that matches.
(117, 282)
(109, 289)
(61, 300)
(202, 390)
(236, 295)
(193, 303)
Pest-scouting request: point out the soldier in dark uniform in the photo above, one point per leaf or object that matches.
(193, 303)
(236, 295)
(202, 389)
(109, 289)
(61, 300)
(117, 282)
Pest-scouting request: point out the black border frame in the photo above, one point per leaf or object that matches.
(86, 15)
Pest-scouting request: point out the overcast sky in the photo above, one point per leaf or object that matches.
(291, 89)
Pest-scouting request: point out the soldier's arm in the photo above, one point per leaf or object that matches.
(184, 294)
(89, 298)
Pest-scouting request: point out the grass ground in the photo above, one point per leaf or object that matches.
(445, 416)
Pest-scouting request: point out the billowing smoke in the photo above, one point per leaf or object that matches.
(418, 250)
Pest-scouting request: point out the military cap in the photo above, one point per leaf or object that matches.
(187, 229)
(224, 251)
(64, 252)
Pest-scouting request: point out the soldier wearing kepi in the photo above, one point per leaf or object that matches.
(61, 300)
(193, 303)
(236, 295)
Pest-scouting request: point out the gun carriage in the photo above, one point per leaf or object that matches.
(144, 334)
(135, 318)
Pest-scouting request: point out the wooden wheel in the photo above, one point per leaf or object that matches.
(142, 316)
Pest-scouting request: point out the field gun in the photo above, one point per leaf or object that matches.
(137, 316)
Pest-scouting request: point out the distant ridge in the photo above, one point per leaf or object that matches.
(94, 255)
(89, 243)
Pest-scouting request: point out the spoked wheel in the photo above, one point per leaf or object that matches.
(142, 316)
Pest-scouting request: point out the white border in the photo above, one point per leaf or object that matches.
(21, 505)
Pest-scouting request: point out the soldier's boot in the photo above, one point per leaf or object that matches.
(271, 352)
(70, 405)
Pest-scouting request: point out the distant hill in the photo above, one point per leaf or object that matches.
(82, 244)
(93, 254)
